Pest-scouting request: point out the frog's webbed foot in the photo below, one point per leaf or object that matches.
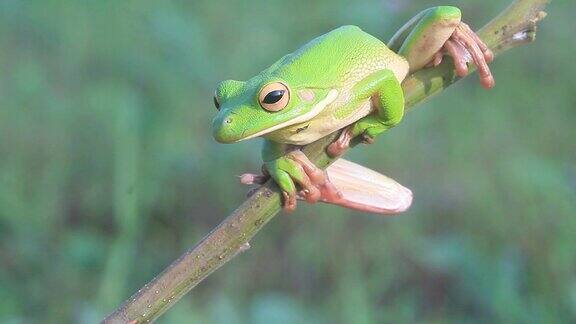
(353, 186)
(465, 46)
(323, 189)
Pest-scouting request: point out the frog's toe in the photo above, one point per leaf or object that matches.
(465, 46)
(436, 59)
(337, 148)
(314, 173)
(324, 190)
(311, 195)
(460, 57)
(289, 204)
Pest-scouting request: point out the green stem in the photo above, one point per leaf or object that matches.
(515, 26)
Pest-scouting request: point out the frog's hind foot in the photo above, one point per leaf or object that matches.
(321, 187)
(352, 186)
(464, 46)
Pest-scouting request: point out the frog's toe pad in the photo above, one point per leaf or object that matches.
(289, 201)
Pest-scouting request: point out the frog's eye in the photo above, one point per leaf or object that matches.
(274, 96)
(216, 102)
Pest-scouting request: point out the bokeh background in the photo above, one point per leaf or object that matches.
(108, 171)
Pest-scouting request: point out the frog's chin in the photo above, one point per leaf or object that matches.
(318, 108)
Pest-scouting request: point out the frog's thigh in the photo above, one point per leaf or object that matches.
(283, 171)
(283, 180)
(387, 96)
(435, 26)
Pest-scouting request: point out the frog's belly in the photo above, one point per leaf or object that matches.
(318, 127)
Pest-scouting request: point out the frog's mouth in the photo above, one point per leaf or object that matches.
(317, 109)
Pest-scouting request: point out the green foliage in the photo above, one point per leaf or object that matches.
(108, 172)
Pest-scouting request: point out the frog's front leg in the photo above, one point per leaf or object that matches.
(387, 97)
(437, 31)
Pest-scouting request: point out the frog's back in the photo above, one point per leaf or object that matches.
(344, 55)
(337, 60)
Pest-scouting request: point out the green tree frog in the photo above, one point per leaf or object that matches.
(345, 79)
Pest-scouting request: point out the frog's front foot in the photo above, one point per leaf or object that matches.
(465, 46)
(341, 144)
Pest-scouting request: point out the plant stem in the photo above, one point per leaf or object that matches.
(515, 26)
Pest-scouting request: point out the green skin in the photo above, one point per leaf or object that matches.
(343, 78)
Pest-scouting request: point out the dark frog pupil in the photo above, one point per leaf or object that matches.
(273, 96)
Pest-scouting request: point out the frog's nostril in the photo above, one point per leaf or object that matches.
(224, 128)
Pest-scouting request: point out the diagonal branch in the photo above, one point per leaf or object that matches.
(515, 26)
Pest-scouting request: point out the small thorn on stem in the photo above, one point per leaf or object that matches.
(244, 247)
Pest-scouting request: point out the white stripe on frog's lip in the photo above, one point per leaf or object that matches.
(330, 97)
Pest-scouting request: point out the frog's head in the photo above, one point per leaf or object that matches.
(264, 104)
(293, 90)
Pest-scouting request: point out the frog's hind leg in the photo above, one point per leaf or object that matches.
(353, 186)
(344, 184)
(420, 39)
(438, 31)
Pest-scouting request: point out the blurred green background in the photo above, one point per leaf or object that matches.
(108, 171)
